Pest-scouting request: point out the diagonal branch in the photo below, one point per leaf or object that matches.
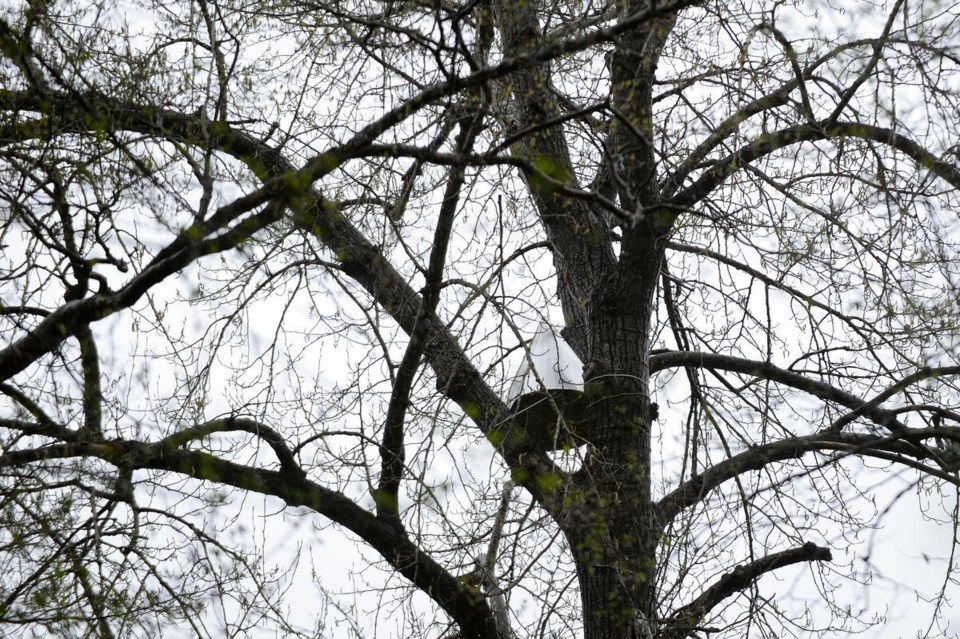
(44, 421)
(871, 64)
(920, 375)
(392, 447)
(71, 318)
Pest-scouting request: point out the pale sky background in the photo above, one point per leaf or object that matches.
(905, 559)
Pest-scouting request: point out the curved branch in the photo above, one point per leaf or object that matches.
(775, 99)
(897, 447)
(288, 463)
(765, 370)
(812, 132)
(686, 619)
(465, 605)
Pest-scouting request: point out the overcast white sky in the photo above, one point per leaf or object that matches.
(904, 560)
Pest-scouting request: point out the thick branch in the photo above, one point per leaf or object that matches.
(582, 250)
(92, 394)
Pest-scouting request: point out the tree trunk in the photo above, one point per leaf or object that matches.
(615, 547)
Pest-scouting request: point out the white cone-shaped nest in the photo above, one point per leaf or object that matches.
(555, 363)
(546, 395)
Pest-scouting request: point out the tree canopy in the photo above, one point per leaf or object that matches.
(270, 267)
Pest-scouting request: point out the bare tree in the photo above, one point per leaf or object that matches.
(297, 249)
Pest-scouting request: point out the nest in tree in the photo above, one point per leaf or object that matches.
(548, 420)
(546, 396)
